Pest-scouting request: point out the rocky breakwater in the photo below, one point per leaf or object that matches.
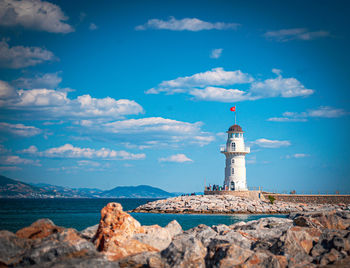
(302, 240)
(227, 204)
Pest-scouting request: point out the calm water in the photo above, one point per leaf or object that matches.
(81, 213)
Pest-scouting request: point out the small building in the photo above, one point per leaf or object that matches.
(235, 151)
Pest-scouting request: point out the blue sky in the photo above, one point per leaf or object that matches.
(101, 94)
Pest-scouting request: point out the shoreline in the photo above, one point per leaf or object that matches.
(211, 212)
(231, 205)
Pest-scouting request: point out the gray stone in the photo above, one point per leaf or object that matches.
(65, 245)
(184, 252)
(154, 236)
(174, 228)
(12, 248)
(89, 232)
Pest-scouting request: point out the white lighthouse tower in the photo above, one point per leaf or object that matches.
(235, 151)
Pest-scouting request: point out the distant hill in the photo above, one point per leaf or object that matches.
(13, 188)
(141, 191)
(71, 192)
(10, 188)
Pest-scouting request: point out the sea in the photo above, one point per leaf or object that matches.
(81, 213)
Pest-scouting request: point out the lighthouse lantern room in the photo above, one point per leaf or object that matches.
(235, 151)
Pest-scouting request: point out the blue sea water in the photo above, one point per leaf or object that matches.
(81, 213)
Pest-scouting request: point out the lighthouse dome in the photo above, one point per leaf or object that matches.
(235, 128)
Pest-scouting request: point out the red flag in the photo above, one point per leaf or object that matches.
(233, 109)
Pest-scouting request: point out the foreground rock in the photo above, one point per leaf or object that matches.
(228, 204)
(302, 240)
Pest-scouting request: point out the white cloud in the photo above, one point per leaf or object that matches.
(19, 129)
(203, 86)
(286, 119)
(6, 91)
(52, 104)
(265, 143)
(295, 34)
(297, 156)
(16, 160)
(216, 53)
(321, 112)
(30, 150)
(49, 80)
(19, 56)
(88, 163)
(160, 131)
(152, 124)
(327, 112)
(186, 24)
(178, 158)
(279, 87)
(70, 151)
(34, 14)
(219, 94)
(148, 132)
(93, 27)
(214, 77)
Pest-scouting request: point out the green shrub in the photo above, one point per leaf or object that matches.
(271, 198)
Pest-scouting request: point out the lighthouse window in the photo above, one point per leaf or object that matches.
(232, 161)
(232, 171)
(233, 146)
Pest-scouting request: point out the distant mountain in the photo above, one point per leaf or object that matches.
(141, 191)
(71, 192)
(10, 188)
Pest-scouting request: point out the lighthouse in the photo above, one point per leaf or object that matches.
(235, 151)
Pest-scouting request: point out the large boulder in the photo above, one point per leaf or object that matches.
(39, 229)
(184, 252)
(155, 236)
(338, 220)
(115, 232)
(227, 255)
(61, 246)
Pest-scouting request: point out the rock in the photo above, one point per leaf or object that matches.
(39, 229)
(298, 244)
(144, 259)
(115, 226)
(155, 236)
(79, 263)
(12, 248)
(330, 257)
(60, 246)
(89, 232)
(339, 220)
(227, 255)
(265, 259)
(221, 229)
(229, 204)
(174, 228)
(265, 228)
(115, 231)
(182, 252)
(202, 233)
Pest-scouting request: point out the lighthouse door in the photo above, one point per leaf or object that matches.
(232, 188)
